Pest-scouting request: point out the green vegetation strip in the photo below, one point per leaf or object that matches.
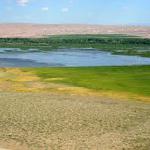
(116, 44)
(129, 79)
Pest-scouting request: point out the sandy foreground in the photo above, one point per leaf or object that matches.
(52, 121)
(59, 117)
(38, 30)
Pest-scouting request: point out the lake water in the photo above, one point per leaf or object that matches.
(65, 57)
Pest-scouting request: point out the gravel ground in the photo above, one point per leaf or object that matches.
(52, 121)
(38, 30)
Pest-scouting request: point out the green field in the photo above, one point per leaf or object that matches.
(132, 80)
(116, 44)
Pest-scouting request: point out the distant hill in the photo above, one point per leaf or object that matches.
(38, 30)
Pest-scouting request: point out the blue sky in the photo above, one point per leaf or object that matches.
(130, 12)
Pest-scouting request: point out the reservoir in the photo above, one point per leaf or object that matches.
(75, 57)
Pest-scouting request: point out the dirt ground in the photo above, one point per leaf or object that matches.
(72, 122)
(38, 30)
(39, 116)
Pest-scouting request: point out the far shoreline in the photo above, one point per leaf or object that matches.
(32, 30)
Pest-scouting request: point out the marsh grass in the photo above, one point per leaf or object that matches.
(116, 44)
(129, 79)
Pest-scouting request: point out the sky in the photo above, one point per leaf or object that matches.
(111, 12)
